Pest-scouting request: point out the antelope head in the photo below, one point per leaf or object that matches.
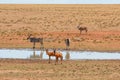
(29, 36)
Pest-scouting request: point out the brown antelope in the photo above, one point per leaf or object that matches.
(81, 28)
(55, 54)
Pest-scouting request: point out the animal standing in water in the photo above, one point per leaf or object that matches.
(55, 54)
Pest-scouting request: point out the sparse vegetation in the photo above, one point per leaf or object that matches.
(72, 70)
(51, 21)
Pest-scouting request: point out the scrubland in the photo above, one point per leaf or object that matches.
(56, 22)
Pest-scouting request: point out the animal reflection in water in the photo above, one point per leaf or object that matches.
(67, 56)
(57, 55)
(34, 56)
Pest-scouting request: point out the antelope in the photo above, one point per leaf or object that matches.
(67, 42)
(55, 54)
(34, 40)
(81, 28)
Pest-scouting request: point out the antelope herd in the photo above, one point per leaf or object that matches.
(57, 55)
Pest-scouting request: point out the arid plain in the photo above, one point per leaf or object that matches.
(55, 23)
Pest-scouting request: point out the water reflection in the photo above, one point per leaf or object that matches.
(67, 56)
(41, 54)
(36, 56)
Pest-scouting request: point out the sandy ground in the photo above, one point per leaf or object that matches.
(13, 69)
(55, 23)
(93, 41)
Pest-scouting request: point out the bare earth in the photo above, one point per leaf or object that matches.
(69, 70)
(56, 22)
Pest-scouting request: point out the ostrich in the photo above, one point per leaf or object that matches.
(34, 40)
